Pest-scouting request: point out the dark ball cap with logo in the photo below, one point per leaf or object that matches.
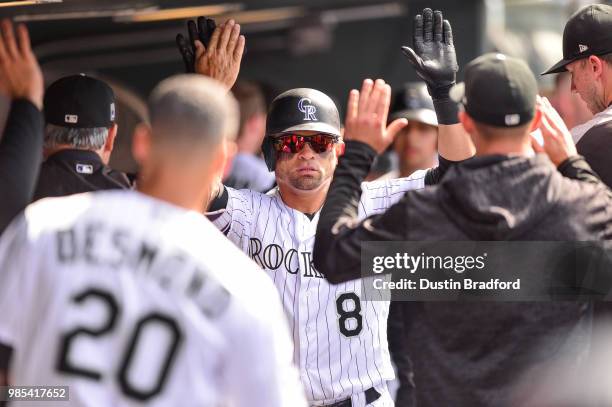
(79, 101)
(587, 32)
(498, 90)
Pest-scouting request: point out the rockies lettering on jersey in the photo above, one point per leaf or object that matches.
(340, 341)
(114, 295)
(273, 256)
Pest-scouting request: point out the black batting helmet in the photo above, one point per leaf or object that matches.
(299, 109)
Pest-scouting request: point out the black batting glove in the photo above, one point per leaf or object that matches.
(435, 61)
(201, 31)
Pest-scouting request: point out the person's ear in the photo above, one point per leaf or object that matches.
(596, 65)
(219, 163)
(110, 141)
(231, 149)
(141, 143)
(466, 122)
(107, 148)
(537, 119)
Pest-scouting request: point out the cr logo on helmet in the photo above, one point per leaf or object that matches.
(309, 110)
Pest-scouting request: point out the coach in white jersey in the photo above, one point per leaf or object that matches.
(134, 298)
(340, 341)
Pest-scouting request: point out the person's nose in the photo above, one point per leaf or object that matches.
(306, 153)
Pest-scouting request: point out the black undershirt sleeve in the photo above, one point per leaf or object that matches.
(435, 175)
(220, 202)
(217, 204)
(20, 159)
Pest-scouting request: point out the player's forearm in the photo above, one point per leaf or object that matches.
(20, 159)
(454, 143)
(341, 206)
(337, 247)
(577, 168)
(345, 190)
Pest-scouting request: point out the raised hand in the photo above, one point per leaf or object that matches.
(366, 116)
(221, 59)
(200, 31)
(20, 74)
(558, 143)
(433, 56)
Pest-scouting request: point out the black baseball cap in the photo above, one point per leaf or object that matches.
(498, 90)
(413, 102)
(79, 101)
(587, 32)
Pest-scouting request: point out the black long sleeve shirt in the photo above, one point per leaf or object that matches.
(20, 159)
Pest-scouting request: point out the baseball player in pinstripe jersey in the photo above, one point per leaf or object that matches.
(340, 341)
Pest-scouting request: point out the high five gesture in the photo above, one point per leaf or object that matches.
(366, 116)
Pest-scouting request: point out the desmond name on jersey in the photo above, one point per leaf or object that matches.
(95, 245)
(273, 256)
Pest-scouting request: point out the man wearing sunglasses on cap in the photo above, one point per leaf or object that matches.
(340, 342)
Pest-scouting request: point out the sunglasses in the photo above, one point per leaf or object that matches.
(293, 143)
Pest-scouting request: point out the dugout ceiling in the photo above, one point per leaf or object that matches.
(316, 43)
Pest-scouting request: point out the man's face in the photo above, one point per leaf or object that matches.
(416, 145)
(305, 170)
(585, 84)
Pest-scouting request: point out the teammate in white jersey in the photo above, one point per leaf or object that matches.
(134, 298)
(340, 341)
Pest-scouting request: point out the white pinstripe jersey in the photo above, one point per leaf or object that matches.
(114, 295)
(340, 341)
